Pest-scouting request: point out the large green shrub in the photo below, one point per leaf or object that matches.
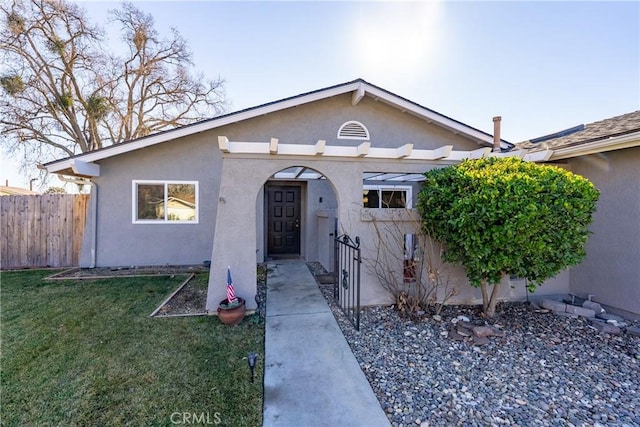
(505, 216)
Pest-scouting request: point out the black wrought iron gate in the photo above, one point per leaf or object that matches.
(346, 288)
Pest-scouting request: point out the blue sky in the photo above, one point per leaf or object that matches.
(542, 66)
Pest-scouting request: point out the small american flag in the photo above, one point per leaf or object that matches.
(231, 294)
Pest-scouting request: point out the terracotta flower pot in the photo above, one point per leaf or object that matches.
(231, 316)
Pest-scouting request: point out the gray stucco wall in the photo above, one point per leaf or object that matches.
(611, 269)
(123, 243)
(305, 124)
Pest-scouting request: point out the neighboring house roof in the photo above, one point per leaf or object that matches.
(359, 88)
(15, 191)
(614, 133)
(175, 202)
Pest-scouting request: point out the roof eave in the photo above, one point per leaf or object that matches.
(600, 146)
(359, 87)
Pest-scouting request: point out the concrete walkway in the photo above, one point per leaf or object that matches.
(311, 376)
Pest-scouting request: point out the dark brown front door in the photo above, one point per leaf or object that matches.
(283, 220)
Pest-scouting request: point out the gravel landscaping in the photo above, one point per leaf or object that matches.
(545, 369)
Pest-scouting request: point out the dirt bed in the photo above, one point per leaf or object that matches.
(89, 273)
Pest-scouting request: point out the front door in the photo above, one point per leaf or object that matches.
(283, 220)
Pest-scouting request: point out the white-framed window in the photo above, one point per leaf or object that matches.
(162, 202)
(387, 196)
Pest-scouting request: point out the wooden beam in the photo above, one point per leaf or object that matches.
(273, 146)
(516, 153)
(358, 94)
(479, 153)
(319, 147)
(442, 152)
(85, 169)
(363, 149)
(223, 144)
(404, 151)
(539, 156)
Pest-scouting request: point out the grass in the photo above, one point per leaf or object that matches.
(87, 353)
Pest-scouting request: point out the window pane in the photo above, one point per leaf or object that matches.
(370, 199)
(181, 202)
(394, 199)
(150, 201)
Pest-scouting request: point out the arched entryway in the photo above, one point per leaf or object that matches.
(299, 215)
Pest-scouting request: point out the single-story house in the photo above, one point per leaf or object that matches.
(280, 179)
(607, 152)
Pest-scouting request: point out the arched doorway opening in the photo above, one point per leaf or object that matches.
(299, 214)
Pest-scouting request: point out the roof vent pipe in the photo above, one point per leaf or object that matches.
(496, 134)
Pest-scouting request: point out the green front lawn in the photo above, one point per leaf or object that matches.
(87, 353)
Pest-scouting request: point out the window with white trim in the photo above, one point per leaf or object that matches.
(161, 202)
(387, 196)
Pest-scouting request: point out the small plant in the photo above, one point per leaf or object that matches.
(407, 263)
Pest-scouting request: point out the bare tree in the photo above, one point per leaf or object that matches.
(407, 262)
(63, 93)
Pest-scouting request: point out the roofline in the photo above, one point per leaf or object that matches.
(359, 85)
(598, 145)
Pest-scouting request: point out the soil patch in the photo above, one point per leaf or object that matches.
(191, 299)
(108, 272)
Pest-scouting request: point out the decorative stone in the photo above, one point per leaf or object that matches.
(593, 306)
(480, 340)
(455, 336)
(606, 328)
(436, 317)
(632, 330)
(609, 316)
(553, 305)
(580, 311)
(463, 332)
(483, 331)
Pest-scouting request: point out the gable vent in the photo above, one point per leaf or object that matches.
(353, 130)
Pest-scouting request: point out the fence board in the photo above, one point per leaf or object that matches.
(42, 230)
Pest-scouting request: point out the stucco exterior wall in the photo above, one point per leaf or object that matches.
(611, 269)
(319, 222)
(306, 124)
(119, 241)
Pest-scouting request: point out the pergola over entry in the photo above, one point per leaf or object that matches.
(247, 166)
(365, 150)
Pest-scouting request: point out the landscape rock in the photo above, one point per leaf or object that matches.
(480, 340)
(483, 331)
(597, 308)
(606, 328)
(580, 311)
(633, 330)
(449, 382)
(553, 305)
(463, 332)
(455, 336)
(609, 316)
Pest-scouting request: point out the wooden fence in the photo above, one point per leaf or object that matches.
(42, 231)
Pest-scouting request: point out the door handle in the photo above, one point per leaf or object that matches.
(297, 223)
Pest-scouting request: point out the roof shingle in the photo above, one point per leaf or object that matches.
(607, 128)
